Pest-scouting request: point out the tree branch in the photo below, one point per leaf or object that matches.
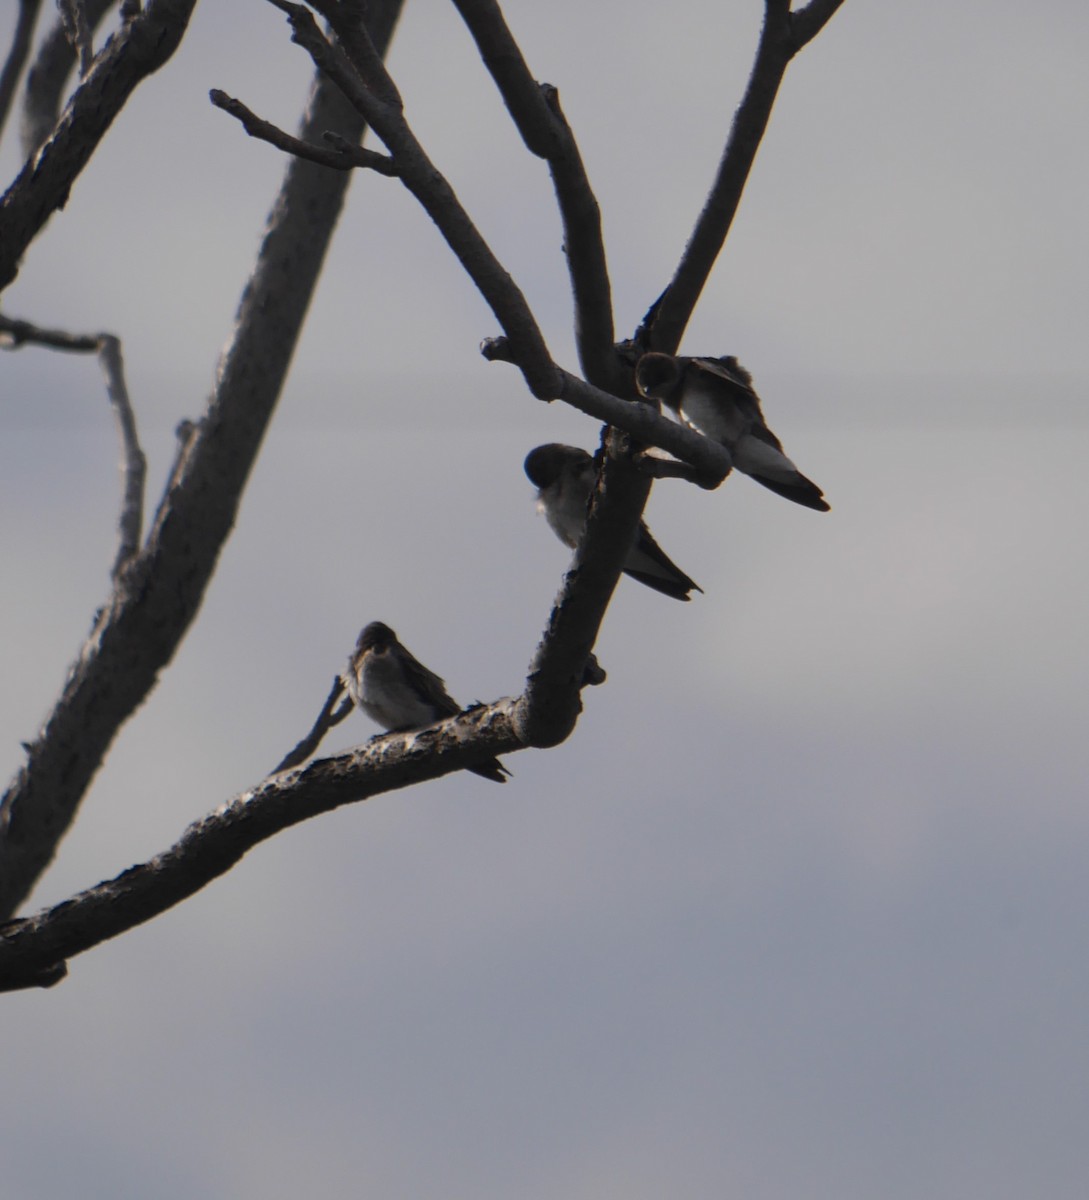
(709, 458)
(17, 55)
(14, 334)
(779, 42)
(48, 75)
(133, 462)
(42, 187)
(137, 631)
(807, 22)
(344, 156)
(333, 711)
(546, 712)
(535, 110)
(33, 950)
(434, 193)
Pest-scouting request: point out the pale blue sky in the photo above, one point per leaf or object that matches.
(800, 908)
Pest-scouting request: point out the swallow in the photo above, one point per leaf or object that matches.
(715, 397)
(565, 476)
(398, 692)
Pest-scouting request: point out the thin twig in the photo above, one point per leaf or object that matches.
(14, 334)
(434, 193)
(329, 716)
(778, 44)
(17, 55)
(807, 22)
(342, 156)
(535, 110)
(133, 462)
(46, 180)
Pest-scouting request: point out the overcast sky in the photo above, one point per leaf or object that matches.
(800, 910)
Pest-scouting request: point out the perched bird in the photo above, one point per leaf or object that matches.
(398, 692)
(565, 477)
(716, 398)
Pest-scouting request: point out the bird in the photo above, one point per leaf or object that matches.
(398, 692)
(715, 397)
(565, 476)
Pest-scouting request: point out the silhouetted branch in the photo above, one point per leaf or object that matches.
(33, 950)
(782, 36)
(431, 189)
(340, 154)
(333, 711)
(710, 460)
(14, 334)
(547, 710)
(137, 631)
(535, 109)
(140, 48)
(133, 462)
(48, 76)
(807, 22)
(17, 55)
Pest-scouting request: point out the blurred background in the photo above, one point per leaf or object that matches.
(801, 907)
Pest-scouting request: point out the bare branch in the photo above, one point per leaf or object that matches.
(346, 19)
(437, 197)
(43, 185)
(546, 712)
(329, 716)
(14, 334)
(807, 22)
(48, 76)
(33, 950)
(342, 157)
(17, 55)
(137, 631)
(778, 44)
(133, 463)
(710, 459)
(536, 112)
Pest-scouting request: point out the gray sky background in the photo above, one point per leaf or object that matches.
(800, 909)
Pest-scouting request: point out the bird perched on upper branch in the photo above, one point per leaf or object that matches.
(715, 397)
(398, 692)
(565, 477)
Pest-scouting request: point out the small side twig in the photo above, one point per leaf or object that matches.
(333, 711)
(432, 190)
(341, 154)
(782, 36)
(48, 75)
(133, 462)
(14, 334)
(17, 55)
